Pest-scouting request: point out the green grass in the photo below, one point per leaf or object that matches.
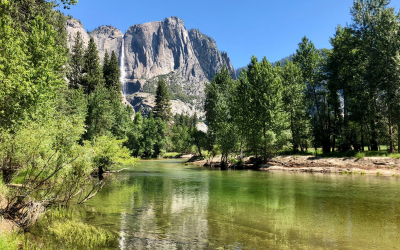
(75, 233)
(395, 156)
(63, 228)
(171, 155)
(9, 241)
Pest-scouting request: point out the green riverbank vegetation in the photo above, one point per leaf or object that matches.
(63, 125)
(62, 121)
(338, 100)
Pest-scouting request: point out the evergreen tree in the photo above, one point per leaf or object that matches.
(92, 69)
(76, 62)
(113, 74)
(106, 66)
(162, 108)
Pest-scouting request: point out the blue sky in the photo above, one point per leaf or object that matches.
(268, 28)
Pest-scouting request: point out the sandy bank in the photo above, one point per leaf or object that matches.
(383, 166)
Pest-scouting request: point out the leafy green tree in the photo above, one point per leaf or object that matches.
(135, 135)
(162, 108)
(31, 68)
(219, 113)
(149, 130)
(294, 104)
(313, 63)
(100, 117)
(241, 109)
(76, 62)
(269, 120)
(92, 69)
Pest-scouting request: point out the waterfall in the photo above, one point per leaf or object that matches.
(122, 66)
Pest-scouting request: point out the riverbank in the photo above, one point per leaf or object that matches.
(380, 166)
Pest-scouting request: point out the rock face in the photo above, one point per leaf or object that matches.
(73, 27)
(186, 60)
(166, 48)
(107, 38)
(210, 58)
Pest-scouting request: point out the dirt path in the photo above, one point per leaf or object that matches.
(382, 166)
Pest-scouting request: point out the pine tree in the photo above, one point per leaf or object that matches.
(162, 109)
(92, 69)
(113, 74)
(106, 66)
(76, 62)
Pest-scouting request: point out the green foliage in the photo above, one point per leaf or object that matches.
(9, 241)
(112, 73)
(100, 117)
(171, 155)
(360, 155)
(31, 69)
(76, 62)
(219, 112)
(294, 105)
(109, 151)
(162, 109)
(93, 73)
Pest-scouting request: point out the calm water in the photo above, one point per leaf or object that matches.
(167, 205)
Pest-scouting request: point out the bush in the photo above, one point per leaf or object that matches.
(360, 155)
(171, 155)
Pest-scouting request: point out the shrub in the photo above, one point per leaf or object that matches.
(360, 155)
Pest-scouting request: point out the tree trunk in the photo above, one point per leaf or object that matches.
(241, 149)
(373, 141)
(362, 138)
(398, 137)
(391, 139)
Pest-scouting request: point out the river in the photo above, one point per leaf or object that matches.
(168, 205)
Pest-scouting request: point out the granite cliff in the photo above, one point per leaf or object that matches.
(187, 60)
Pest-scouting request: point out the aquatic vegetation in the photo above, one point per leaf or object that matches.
(378, 174)
(75, 233)
(362, 172)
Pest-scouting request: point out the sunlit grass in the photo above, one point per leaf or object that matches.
(395, 156)
(75, 233)
(9, 241)
(171, 155)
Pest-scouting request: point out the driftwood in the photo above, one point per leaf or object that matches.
(90, 195)
(15, 185)
(116, 171)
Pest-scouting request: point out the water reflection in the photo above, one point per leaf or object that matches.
(165, 205)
